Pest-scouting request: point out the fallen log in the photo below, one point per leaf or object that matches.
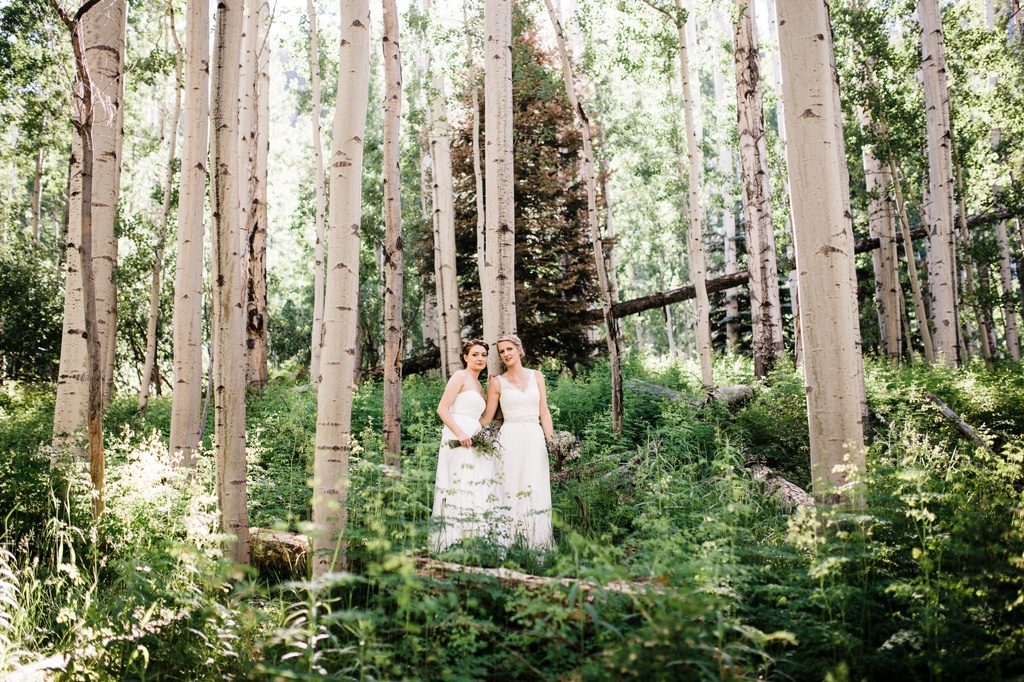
(727, 394)
(957, 420)
(278, 552)
(432, 568)
(687, 292)
(790, 496)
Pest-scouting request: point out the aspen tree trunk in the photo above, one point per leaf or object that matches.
(603, 172)
(1006, 279)
(72, 402)
(337, 368)
(444, 212)
(104, 32)
(906, 326)
(37, 191)
(228, 188)
(161, 228)
(321, 202)
(881, 225)
(824, 250)
(695, 243)
(725, 169)
(83, 123)
(908, 252)
(101, 31)
(765, 306)
(393, 247)
(587, 171)
(186, 404)
(472, 79)
(500, 212)
(256, 279)
(669, 324)
(942, 266)
(1011, 334)
(780, 117)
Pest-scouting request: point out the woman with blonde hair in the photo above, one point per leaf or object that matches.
(524, 479)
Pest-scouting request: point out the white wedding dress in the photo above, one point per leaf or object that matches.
(464, 491)
(523, 475)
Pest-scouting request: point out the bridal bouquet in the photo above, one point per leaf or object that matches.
(485, 441)
(564, 447)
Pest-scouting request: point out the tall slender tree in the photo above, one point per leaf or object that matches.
(394, 331)
(587, 172)
(321, 199)
(334, 400)
(256, 227)
(102, 35)
(500, 240)
(227, 190)
(83, 120)
(186, 404)
(162, 218)
(824, 248)
(766, 313)
(942, 267)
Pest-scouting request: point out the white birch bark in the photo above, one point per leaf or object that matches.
(765, 306)
(161, 227)
(500, 211)
(444, 212)
(780, 117)
(256, 281)
(104, 31)
(472, 78)
(882, 226)
(186, 405)
(911, 258)
(695, 242)
(321, 201)
(942, 265)
(228, 188)
(824, 250)
(37, 190)
(393, 247)
(341, 311)
(1006, 279)
(587, 171)
(102, 34)
(72, 401)
(724, 166)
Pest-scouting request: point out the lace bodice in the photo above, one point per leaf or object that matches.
(516, 404)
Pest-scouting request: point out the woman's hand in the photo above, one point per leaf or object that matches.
(467, 441)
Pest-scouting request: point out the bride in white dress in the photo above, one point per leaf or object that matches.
(464, 490)
(523, 474)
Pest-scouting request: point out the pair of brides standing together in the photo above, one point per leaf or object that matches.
(506, 497)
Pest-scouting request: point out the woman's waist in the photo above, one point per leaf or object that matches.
(521, 419)
(468, 424)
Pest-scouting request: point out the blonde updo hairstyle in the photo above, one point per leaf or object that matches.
(515, 341)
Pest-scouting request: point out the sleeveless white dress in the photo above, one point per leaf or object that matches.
(523, 474)
(464, 491)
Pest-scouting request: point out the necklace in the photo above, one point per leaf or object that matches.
(519, 383)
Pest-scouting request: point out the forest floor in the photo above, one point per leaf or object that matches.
(670, 561)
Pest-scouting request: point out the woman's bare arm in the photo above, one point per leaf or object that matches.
(493, 395)
(454, 387)
(545, 414)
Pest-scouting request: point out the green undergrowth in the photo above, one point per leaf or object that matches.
(676, 564)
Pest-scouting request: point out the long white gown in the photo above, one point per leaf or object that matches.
(464, 492)
(523, 475)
